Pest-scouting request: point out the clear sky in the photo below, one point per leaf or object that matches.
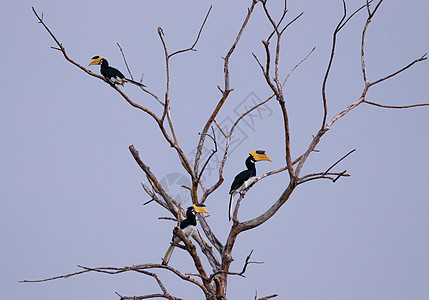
(70, 189)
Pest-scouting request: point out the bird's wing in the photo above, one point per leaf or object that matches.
(239, 180)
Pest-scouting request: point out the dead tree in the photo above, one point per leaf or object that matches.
(213, 283)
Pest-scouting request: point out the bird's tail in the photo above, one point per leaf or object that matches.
(231, 205)
(167, 255)
(135, 82)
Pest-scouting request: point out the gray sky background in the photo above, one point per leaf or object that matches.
(71, 191)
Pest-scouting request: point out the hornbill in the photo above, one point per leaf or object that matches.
(187, 226)
(113, 75)
(246, 177)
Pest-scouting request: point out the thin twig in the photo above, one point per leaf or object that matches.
(297, 65)
(167, 218)
(396, 106)
(227, 143)
(198, 36)
(323, 175)
(400, 70)
(210, 156)
(331, 59)
(125, 61)
(338, 161)
(141, 79)
(291, 22)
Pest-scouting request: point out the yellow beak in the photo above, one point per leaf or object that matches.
(95, 61)
(199, 208)
(259, 155)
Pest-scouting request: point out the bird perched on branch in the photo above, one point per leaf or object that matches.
(113, 75)
(246, 177)
(187, 226)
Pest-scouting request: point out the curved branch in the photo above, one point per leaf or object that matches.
(278, 87)
(160, 284)
(331, 59)
(197, 262)
(159, 121)
(146, 297)
(63, 51)
(243, 192)
(210, 156)
(227, 143)
(118, 270)
(323, 175)
(205, 247)
(159, 188)
(297, 65)
(396, 106)
(399, 71)
(152, 195)
(340, 26)
(266, 297)
(225, 94)
(125, 61)
(338, 161)
(241, 274)
(131, 75)
(270, 212)
(196, 40)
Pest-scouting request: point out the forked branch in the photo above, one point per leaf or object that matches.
(225, 94)
(214, 285)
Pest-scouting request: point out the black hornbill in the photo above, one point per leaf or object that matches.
(246, 177)
(187, 225)
(111, 74)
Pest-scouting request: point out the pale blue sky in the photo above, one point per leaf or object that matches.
(71, 190)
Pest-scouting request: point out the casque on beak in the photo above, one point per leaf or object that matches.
(95, 60)
(199, 208)
(259, 155)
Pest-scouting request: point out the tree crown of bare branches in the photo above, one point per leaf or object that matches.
(218, 254)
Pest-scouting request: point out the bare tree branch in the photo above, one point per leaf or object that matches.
(141, 79)
(399, 71)
(119, 270)
(241, 274)
(396, 106)
(197, 262)
(152, 195)
(243, 192)
(192, 48)
(160, 284)
(125, 61)
(167, 89)
(240, 227)
(277, 87)
(210, 156)
(206, 248)
(331, 59)
(63, 51)
(225, 94)
(227, 143)
(266, 297)
(323, 175)
(146, 297)
(297, 65)
(338, 161)
(214, 285)
(340, 26)
(159, 121)
(170, 202)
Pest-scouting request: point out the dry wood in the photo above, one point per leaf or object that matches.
(214, 284)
